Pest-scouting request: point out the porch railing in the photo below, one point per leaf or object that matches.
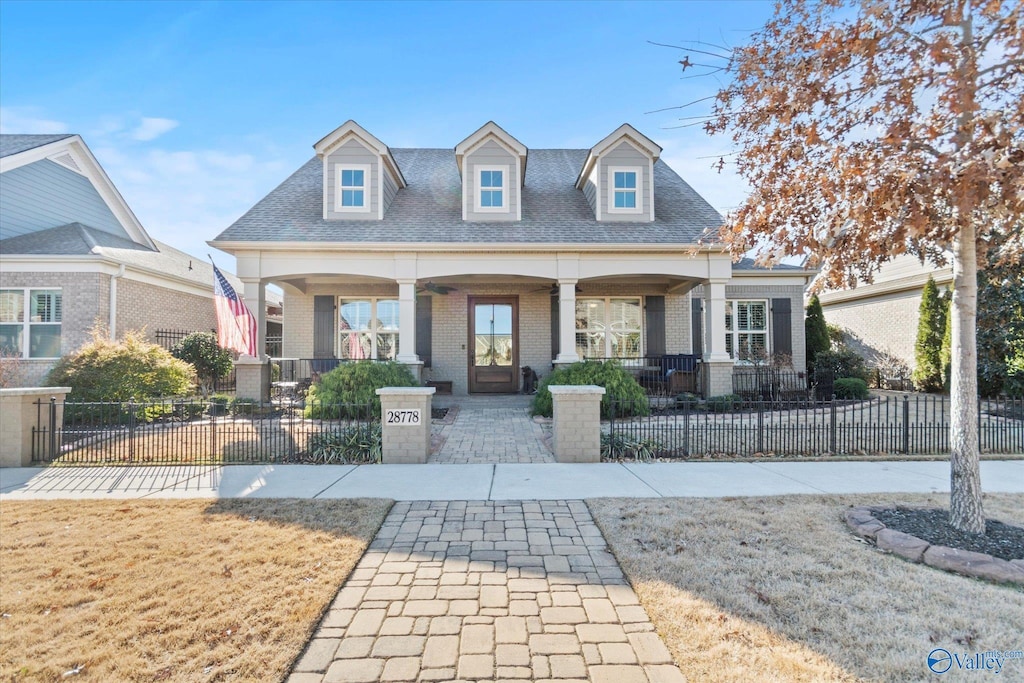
(663, 375)
(308, 369)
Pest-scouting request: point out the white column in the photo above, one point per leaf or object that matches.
(567, 322)
(254, 293)
(407, 322)
(714, 317)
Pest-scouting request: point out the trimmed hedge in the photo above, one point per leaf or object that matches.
(348, 389)
(618, 383)
(851, 387)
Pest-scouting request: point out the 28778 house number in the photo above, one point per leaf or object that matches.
(402, 417)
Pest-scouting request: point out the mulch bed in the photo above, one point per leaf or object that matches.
(932, 525)
(438, 413)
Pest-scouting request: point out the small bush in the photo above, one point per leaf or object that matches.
(210, 361)
(356, 444)
(851, 387)
(687, 400)
(105, 370)
(842, 362)
(346, 390)
(725, 403)
(621, 447)
(219, 404)
(244, 407)
(619, 386)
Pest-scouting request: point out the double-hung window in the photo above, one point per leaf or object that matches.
(368, 329)
(492, 190)
(353, 188)
(624, 190)
(30, 322)
(609, 327)
(746, 330)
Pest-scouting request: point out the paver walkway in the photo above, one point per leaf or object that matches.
(491, 430)
(483, 591)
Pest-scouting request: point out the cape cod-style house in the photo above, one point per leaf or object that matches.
(469, 264)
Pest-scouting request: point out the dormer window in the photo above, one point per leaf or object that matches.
(493, 188)
(625, 196)
(353, 188)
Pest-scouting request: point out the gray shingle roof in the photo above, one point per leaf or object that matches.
(747, 263)
(15, 144)
(429, 209)
(75, 239)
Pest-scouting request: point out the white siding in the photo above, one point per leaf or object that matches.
(352, 152)
(625, 154)
(491, 154)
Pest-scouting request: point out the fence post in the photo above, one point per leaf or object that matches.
(906, 425)
(979, 420)
(53, 428)
(832, 426)
(760, 426)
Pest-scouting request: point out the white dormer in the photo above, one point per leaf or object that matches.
(493, 168)
(618, 176)
(360, 175)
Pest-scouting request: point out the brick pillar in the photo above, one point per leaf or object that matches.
(717, 378)
(19, 414)
(252, 379)
(405, 424)
(577, 422)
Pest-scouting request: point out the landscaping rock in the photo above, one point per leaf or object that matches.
(862, 523)
(899, 543)
(973, 564)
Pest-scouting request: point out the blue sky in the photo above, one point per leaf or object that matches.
(197, 110)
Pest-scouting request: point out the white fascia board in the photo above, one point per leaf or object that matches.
(235, 248)
(44, 263)
(635, 137)
(941, 276)
(777, 280)
(92, 170)
(338, 135)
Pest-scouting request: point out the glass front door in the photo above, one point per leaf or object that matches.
(493, 345)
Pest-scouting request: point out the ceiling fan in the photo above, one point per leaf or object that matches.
(553, 290)
(436, 288)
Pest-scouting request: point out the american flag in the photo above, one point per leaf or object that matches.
(236, 326)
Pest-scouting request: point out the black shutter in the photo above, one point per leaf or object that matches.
(323, 327)
(554, 328)
(697, 316)
(782, 327)
(424, 328)
(655, 326)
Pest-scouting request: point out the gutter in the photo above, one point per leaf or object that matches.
(114, 277)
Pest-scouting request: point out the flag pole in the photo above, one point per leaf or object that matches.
(241, 300)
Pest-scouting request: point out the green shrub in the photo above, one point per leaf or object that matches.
(621, 447)
(105, 370)
(931, 328)
(816, 336)
(219, 404)
(210, 361)
(356, 444)
(726, 403)
(843, 362)
(619, 385)
(348, 389)
(244, 407)
(851, 387)
(687, 400)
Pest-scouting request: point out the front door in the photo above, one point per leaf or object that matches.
(493, 344)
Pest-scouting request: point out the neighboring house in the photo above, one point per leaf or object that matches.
(72, 254)
(470, 263)
(881, 318)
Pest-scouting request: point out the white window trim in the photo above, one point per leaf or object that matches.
(607, 316)
(375, 326)
(365, 168)
(734, 333)
(26, 321)
(504, 208)
(639, 190)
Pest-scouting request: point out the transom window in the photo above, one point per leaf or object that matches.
(746, 330)
(353, 188)
(609, 327)
(30, 322)
(492, 189)
(368, 329)
(624, 189)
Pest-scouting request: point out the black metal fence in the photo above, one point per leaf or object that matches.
(663, 375)
(204, 432)
(879, 426)
(171, 338)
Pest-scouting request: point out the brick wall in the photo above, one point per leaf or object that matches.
(880, 324)
(142, 306)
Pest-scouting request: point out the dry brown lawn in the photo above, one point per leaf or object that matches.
(171, 590)
(777, 589)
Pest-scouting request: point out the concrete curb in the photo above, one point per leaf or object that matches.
(863, 523)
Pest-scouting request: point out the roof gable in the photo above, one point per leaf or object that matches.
(15, 144)
(624, 132)
(492, 131)
(351, 129)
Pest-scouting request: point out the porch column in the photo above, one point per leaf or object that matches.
(254, 294)
(407, 326)
(717, 363)
(567, 322)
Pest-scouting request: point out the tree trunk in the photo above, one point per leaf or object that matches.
(965, 511)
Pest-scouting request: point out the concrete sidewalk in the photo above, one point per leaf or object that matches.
(499, 481)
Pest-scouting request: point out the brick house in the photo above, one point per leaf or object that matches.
(72, 254)
(471, 263)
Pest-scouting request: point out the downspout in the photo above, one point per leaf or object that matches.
(113, 302)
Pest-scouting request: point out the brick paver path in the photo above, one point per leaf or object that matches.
(484, 591)
(492, 430)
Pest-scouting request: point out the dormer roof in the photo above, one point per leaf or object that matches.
(351, 129)
(623, 132)
(492, 131)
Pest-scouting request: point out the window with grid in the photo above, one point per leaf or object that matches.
(492, 189)
(609, 327)
(353, 188)
(746, 330)
(30, 322)
(368, 329)
(624, 189)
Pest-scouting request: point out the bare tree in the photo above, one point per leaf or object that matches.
(876, 128)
